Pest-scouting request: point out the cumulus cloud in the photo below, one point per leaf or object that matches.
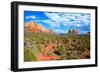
(67, 19)
(51, 23)
(58, 20)
(56, 17)
(31, 17)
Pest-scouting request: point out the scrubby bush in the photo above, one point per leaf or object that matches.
(66, 46)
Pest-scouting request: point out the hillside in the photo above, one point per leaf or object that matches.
(46, 47)
(36, 28)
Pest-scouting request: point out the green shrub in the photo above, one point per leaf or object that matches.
(28, 55)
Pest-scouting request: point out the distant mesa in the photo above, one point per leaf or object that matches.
(73, 32)
(34, 27)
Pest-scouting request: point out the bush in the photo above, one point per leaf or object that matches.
(29, 55)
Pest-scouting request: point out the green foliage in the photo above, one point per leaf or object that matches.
(29, 55)
(67, 46)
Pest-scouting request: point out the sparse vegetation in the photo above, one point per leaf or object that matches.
(44, 47)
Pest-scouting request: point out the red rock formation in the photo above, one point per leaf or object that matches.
(34, 27)
(50, 48)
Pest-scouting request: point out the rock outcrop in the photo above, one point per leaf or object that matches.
(73, 32)
(34, 27)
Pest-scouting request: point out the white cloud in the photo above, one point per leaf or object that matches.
(59, 31)
(56, 17)
(66, 19)
(78, 25)
(51, 23)
(53, 16)
(31, 17)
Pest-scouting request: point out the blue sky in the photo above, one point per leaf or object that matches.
(60, 22)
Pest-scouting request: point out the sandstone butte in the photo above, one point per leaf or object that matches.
(34, 27)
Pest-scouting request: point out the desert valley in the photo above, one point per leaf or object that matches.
(41, 44)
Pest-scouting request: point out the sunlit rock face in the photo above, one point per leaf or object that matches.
(34, 27)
